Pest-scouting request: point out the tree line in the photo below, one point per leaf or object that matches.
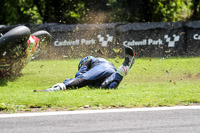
(97, 11)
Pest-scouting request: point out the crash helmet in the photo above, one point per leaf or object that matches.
(84, 60)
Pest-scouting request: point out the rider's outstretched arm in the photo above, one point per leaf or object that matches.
(76, 82)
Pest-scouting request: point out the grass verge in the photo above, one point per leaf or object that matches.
(151, 82)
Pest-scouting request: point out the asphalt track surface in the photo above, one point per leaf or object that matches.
(145, 120)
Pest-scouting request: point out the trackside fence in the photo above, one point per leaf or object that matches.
(157, 39)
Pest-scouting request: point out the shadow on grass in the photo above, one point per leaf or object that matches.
(11, 78)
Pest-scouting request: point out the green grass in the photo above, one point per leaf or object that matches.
(150, 82)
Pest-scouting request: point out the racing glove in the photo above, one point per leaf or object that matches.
(56, 87)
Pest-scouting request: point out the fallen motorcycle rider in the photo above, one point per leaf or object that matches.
(97, 72)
